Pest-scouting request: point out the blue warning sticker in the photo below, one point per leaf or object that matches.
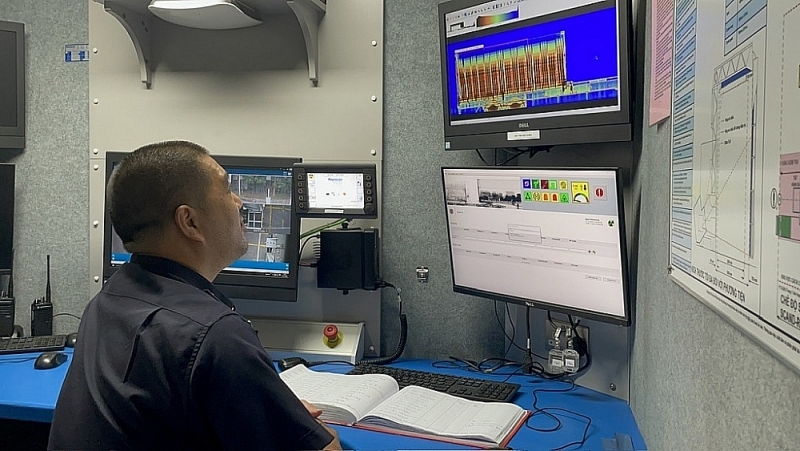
(76, 52)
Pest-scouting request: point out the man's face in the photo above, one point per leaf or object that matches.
(224, 227)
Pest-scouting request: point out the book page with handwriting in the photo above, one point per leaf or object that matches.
(355, 394)
(419, 409)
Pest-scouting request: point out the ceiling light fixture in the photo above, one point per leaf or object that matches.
(206, 14)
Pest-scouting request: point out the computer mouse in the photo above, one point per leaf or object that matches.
(71, 339)
(49, 360)
(288, 362)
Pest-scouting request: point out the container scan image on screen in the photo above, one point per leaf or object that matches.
(539, 58)
(341, 191)
(267, 212)
(549, 237)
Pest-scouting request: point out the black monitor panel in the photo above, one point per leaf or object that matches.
(12, 85)
(6, 215)
(335, 190)
(268, 270)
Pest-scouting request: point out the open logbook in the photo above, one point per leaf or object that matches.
(373, 401)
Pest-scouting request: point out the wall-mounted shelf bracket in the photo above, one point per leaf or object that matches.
(138, 28)
(309, 13)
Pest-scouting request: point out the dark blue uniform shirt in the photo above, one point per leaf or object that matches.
(163, 362)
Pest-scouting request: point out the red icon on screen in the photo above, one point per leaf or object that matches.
(600, 193)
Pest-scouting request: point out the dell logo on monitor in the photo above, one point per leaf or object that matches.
(523, 125)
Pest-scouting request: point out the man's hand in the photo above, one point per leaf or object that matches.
(315, 412)
(312, 409)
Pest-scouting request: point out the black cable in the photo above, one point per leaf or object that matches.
(67, 314)
(401, 345)
(528, 353)
(580, 345)
(532, 151)
(18, 360)
(550, 319)
(471, 365)
(513, 328)
(503, 328)
(480, 155)
(302, 246)
(548, 412)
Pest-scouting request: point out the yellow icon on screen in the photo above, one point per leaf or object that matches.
(580, 192)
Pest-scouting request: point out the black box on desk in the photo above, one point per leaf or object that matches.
(349, 259)
(6, 316)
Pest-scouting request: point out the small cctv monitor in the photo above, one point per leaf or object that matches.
(268, 270)
(325, 190)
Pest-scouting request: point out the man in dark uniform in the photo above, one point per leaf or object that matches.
(162, 361)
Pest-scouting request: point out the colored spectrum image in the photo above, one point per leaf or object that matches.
(484, 21)
(566, 63)
(511, 75)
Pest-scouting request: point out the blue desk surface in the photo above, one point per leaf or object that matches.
(28, 394)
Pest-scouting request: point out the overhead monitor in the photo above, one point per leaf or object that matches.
(336, 190)
(552, 239)
(12, 85)
(530, 73)
(268, 270)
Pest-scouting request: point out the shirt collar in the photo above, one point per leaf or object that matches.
(176, 271)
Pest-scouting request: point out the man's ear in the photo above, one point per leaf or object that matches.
(186, 220)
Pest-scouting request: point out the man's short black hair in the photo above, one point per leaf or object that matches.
(151, 182)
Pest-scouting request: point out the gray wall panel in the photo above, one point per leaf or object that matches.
(697, 383)
(441, 323)
(51, 180)
(246, 92)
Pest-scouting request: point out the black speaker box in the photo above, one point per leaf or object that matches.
(349, 259)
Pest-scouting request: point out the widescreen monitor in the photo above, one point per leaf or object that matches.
(550, 238)
(533, 73)
(268, 270)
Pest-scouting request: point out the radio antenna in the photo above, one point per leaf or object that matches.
(47, 289)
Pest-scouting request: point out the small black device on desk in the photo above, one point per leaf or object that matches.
(72, 338)
(6, 304)
(463, 387)
(42, 310)
(49, 360)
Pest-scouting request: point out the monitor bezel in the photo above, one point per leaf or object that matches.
(543, 305)
(608, 126)
(7, 194)
(232, 283)
(13, 137)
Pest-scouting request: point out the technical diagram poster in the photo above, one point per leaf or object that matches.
(735, 195)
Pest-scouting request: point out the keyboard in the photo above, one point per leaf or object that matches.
(16, 345)
(464, 387)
